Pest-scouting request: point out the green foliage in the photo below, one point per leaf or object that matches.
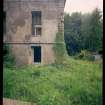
(72, 33)
(84, 55)
(7, 57)
(83, 31)
(59, 48)
(75, 83)
(94, 39)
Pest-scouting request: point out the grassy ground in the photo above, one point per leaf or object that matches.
(76, 82)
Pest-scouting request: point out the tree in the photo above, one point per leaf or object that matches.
(73, 32)
(94, 39)
(83, 31)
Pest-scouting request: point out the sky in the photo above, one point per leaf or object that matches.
(83, 6)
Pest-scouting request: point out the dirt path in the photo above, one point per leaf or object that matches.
(7, 101)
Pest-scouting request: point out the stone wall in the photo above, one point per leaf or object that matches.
(19, 27)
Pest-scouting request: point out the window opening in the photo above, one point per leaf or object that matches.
(36, 23)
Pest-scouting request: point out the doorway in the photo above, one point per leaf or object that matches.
(37, 54)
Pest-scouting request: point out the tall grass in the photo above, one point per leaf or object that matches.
(76, 82)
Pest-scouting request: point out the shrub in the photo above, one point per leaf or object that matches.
(85, 55)
(59, 48)
(7, 57)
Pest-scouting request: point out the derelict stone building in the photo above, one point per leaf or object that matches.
(30, 27)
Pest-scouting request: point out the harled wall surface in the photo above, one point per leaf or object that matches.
(19, 28)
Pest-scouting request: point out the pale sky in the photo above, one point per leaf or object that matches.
(82, 6)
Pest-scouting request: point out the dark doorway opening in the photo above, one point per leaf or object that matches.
(37, 54)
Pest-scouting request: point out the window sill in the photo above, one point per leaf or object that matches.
(36, 35)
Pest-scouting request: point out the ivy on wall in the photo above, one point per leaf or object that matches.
(59, 48)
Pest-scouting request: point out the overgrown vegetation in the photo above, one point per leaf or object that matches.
(84, 55)
(59, 48)
(75, 83)
(8, 59)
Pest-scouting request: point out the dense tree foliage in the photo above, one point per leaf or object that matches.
(83, 31)
(73, 32)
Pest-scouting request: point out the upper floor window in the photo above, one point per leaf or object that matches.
(36, 23)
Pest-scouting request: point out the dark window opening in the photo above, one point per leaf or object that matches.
(36, 17)
(37, 54)
(38, 31)
(4, 22)
(36, 23)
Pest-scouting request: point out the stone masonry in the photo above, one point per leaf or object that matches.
(19, 28)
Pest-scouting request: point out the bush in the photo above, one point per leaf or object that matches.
(7, 57)
(85, 55)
